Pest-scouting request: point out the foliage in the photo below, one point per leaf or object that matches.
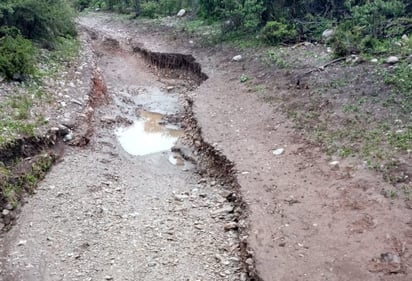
(276, 32)
(39, 20)
(236, 15)
(368, 25)
(16, 54)
(149, 9)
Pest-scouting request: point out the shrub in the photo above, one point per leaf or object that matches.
(369, 24)
(39, 20)
(149, 9)
(16, 54)
(82, 4)
(276, 32)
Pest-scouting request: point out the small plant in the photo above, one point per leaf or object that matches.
(393, 194)
(350, 108)
(278, 60)
(244, 78)
(406, 191)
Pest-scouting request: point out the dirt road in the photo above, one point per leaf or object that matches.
(126, 207)
(105, 214)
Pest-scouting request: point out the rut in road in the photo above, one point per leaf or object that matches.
(105, 214)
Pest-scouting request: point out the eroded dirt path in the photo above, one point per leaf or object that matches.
(140, 218)
(105, 214)
(308, 219)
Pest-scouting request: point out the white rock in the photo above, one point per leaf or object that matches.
(329, 50)
(374, 60)
(405, 38)
(392, 59)
(68, 137)
(334, 165)
(278, 151)
(21, 242)
(181, 13)
(237, 58)
(327, 34)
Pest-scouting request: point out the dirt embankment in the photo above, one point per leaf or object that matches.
(25, 160)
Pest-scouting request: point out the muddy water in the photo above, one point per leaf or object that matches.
(147, 135)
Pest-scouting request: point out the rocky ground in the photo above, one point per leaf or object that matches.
(103, 214)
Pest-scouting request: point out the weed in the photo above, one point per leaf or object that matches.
(278, 59)
(345, 151)
(244, 78)
(393, 194)
(350, 108)
(22, 105)
(11, 193)
(401, 139)
(337, 84)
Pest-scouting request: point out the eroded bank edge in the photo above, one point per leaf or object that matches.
(25, 161)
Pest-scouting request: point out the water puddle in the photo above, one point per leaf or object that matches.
(147, 135)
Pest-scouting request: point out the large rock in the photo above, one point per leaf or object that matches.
(237, 58)
(327, 34)
(392, 60)
(181, 13)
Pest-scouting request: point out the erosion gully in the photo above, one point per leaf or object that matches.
(146, 199)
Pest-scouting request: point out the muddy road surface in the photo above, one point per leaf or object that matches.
(125, 207)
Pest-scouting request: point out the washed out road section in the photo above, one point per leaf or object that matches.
(103, 213)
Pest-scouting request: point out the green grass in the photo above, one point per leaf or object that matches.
(66, 51)
(278, 58)
(16, 118)
(13, 187)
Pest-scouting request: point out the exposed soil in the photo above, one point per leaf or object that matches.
(273, 209)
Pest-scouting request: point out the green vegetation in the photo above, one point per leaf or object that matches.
(276, 32)
(357, 25)
(17, 54)
(13, 186)
(371, 26)
(26, 26)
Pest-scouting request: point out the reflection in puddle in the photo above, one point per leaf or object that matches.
(147, 136)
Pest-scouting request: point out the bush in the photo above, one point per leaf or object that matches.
(370, 24)
(276, 32)
(82, 4)
(148, 9)
(16, 54)
(39, 20)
